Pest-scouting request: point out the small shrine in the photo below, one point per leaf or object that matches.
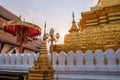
(42, 69)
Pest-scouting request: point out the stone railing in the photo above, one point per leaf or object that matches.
(17, 62)
(70, 66)
(99, 65)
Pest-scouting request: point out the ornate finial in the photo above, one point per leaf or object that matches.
(73, 15)
(74, 26)
(44, 36)
(45, 24)
(45, 28)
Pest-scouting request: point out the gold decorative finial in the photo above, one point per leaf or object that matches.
(73, 14)
(44, 36)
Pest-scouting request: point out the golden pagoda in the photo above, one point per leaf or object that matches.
(74, 27)
(42, 69)
(99, 28)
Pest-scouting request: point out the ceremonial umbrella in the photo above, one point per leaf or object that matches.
(22, 30)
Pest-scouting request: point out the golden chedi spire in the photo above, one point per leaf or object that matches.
(42, 69)
(106, 3)
(73, 28)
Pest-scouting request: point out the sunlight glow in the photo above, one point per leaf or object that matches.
(62, 34)
(61, 39)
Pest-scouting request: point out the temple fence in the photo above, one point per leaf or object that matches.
(87, 66)
(73, 66)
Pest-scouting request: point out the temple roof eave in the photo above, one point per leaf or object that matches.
(107, 3)
(10, 39)
(7, 14)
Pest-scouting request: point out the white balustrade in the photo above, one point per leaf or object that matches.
(70, 58)
(89, 57)
(79, 58)
(25, 59)
(99, 56)
(18, 59)
(111, 57)
(118, 56)
(1, 59)
(70, 63)
(62, 59)
(88, 65)
(55, 59)
(66, 59)
(31, 59)
(17, 62)
(12, 59)
(6, 59)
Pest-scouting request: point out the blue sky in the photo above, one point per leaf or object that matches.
(57, 13)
